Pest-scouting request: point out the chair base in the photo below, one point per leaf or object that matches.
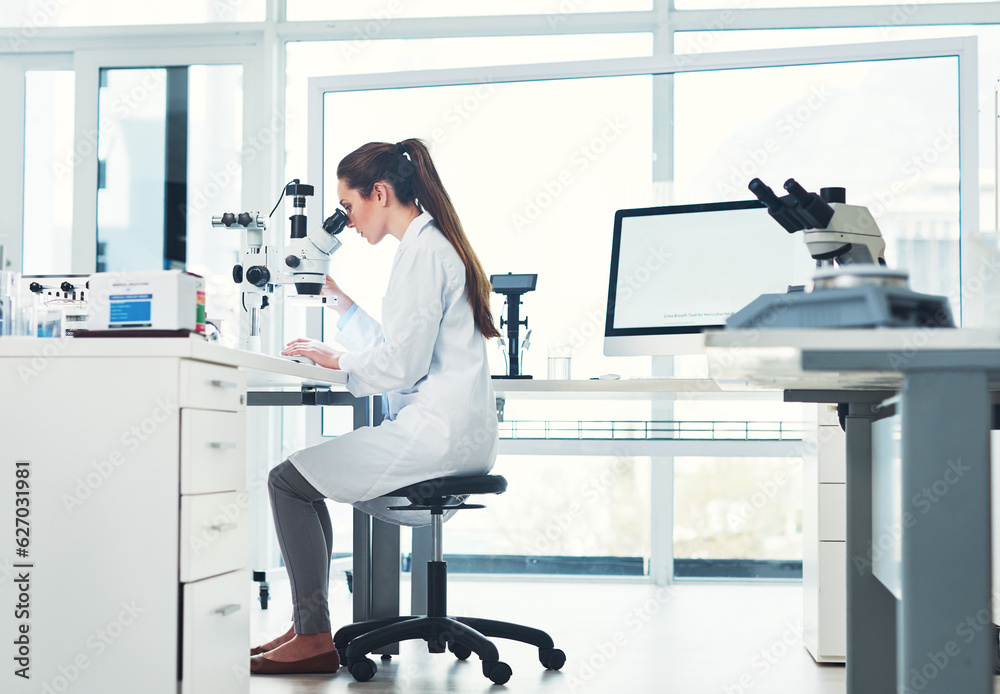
(462, 635)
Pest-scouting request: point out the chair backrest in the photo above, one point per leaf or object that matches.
(441, 491)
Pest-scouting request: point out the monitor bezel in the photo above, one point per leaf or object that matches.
(620, 215)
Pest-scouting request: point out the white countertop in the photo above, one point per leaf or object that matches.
(624, 388)
(263, 371)
(773, 358)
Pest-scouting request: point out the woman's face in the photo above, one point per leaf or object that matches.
(366, 216)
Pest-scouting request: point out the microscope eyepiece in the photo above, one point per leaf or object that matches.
(764, 193)
(811, 207)
(335, 223)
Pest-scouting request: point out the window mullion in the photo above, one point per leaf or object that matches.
(889, 16)
(452, 27)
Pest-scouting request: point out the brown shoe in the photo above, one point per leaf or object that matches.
(322, 663)
(257, 650)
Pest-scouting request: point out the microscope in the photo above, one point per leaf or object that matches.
(303, 262)
(513, 287)
(834, 231)
(852, 287)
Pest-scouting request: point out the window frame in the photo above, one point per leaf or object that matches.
(54, 48)
(965, 49)
(12, 121)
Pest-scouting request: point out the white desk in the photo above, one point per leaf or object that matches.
(936, 638)
(136, 562)
(628, 388)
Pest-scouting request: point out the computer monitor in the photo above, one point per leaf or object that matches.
(681, 270)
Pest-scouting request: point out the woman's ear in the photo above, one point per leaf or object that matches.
(381, 192)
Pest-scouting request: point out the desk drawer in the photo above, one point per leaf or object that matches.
(832, 512)
(213, 451)
(211, 386)
(832, 454)
(216, 635)
(214, 534)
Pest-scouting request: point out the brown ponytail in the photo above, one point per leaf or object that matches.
(414, 179)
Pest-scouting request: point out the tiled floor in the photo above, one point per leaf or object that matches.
(688, 639)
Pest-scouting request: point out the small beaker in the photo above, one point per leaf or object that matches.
(559, 363)
(9, 282)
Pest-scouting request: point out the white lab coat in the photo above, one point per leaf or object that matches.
(429, 359)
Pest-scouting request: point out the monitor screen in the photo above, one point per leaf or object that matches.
(681, 270)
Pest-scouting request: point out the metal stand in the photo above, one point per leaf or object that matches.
(513, 323)
(938, 637)
(871, 608)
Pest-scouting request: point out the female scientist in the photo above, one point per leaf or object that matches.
(429, 358)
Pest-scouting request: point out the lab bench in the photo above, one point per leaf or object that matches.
(136, 511)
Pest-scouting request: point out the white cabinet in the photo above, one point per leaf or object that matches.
(824, 532)
(215, 628)
(137, 562)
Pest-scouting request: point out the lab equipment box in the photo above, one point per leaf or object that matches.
(166, 300)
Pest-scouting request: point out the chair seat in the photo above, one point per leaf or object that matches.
(438, 490)
(462, 635)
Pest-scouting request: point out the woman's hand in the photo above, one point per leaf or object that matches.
(318, 351)
(330, 289)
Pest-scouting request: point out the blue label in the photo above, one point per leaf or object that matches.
(131, 311)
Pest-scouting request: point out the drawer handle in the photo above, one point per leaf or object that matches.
(218, 383)
(223, 527)
(224, 445)
(228, 610)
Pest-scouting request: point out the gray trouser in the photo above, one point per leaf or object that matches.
(305, 536)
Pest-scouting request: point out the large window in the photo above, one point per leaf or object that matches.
(537, 190)
(169, 158)
(48, 166)
(513, 156)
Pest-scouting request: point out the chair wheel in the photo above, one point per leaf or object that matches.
(386, 657)
(498, 671)
(551, 658)
(363, 670)
(461, 652)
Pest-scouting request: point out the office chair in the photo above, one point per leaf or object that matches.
(463, 636)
